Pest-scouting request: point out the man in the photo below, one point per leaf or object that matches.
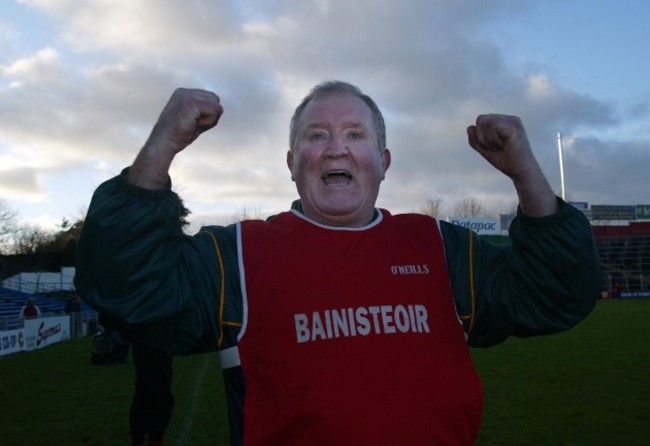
(73, 308)
(336, 322)
(152, 403)
(30, 310)
(72, 305)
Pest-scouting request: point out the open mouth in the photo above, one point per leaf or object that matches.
(337, 178)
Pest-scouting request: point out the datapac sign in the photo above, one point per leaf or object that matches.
(581, 205)
(482, 226)
(610, 212)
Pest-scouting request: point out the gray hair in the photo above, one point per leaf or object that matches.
(338, 87)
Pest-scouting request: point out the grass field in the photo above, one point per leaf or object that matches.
(588, 386)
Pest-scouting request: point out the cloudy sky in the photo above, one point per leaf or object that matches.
(83, 82)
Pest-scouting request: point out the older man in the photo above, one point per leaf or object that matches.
(336, 322)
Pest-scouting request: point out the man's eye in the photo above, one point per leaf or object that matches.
(355, 135)
(316, 137)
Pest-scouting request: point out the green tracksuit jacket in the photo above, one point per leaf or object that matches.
(181, 293)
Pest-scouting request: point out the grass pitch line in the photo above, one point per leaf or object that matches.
(188, 423)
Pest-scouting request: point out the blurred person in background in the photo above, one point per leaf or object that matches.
(30, 309)
(152, 403)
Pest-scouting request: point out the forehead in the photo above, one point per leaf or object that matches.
(334, 109)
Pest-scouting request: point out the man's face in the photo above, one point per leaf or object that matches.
(336, 161)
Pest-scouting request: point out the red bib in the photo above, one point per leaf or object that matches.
(351, 337)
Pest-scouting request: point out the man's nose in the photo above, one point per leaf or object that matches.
(337, 147)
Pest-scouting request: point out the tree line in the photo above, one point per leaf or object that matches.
(468, 207)
(30, 246)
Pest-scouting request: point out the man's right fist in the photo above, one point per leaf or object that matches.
(188, 113)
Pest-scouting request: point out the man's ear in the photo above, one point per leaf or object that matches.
(385, 159)
(290, 163)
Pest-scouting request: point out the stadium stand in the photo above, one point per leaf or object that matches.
(625, 258)
(51, 292)
(624, 252)
(50, 304)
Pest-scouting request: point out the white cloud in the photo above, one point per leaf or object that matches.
(21, 183)
(33, 70)
(91, 97)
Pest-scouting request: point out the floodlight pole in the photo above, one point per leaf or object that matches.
(561, 153)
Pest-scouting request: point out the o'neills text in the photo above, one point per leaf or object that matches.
(361, 321)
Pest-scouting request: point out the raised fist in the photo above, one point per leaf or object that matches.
(188, 113)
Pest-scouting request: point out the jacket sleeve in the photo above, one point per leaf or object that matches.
(547, 281)
(135, 267)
